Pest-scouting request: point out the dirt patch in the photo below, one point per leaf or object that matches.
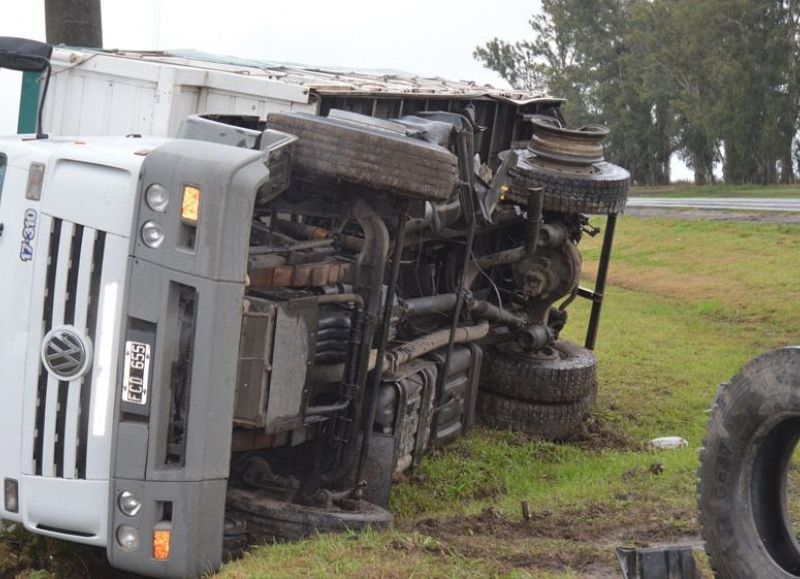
(509, 546)
(554, 561)
(595, 435)
(598, 435)
(586, 536)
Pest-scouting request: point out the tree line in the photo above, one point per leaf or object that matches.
(715, 81)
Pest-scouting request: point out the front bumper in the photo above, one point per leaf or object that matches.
(174, 451)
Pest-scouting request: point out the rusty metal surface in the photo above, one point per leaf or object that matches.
(249, 439)
(551, 274)
(255, 364)
(554, 142)
(299, 276)
(313, 233)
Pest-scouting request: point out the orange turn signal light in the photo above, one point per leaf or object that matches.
(161, 543)
(190, 204)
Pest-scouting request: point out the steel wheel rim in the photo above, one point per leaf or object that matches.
(551, 141)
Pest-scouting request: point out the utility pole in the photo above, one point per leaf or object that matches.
(74, 23)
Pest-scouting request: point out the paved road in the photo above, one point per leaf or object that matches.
(720, 203)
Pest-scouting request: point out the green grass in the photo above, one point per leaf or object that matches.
(740, 274)
(689, 190)
(688, 304)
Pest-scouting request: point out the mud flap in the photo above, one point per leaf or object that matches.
(380, 467)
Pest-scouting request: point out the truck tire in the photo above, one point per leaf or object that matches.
(269, 517)
(548, 421)
(569, 376)
(358, 154)
(601, 189)
(744, 464)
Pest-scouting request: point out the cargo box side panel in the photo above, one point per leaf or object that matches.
(97, 94)
(185, 102)
(219, 101)
(90, 104)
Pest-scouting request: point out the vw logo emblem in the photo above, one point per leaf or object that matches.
(66, 353)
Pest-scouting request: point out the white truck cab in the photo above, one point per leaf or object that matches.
(112, 247)
(66, 207)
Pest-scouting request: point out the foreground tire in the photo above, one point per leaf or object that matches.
(568, 374)
(744, 466)
(601, 188)
(548, 421)
(363, 155)
(268, 517)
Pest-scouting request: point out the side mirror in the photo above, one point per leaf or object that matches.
(28, 56)
(24, 55)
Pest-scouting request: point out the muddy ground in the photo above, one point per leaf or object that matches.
(580, 539)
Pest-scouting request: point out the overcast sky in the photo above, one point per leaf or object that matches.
(425, 37)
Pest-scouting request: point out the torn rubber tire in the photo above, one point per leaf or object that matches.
(268, 517)
(567, 373)
(548, 421)
(359, 154)
(600, 188)
(744, 463)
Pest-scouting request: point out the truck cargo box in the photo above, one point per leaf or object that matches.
(96, 93)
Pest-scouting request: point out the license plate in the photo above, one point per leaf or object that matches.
(136, 377)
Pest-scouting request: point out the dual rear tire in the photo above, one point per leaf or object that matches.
(548, 395)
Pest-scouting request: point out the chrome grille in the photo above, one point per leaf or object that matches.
(72, 287)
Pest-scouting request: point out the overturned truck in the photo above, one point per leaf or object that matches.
(251, 328)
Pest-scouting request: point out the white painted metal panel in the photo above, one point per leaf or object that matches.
(15, 320)
(34, 346)
(98, 93)
(106, 349)
(88, 104)
(94, 94)
(50, 505)
(186, 102)
(92, 195)
(240, 104)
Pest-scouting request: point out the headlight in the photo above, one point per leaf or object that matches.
(129, 503)
(152, 234)
(157, 198)
(127, 537)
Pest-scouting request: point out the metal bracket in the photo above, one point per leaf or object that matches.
(596, 295)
